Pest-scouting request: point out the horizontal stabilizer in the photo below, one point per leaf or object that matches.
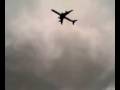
(74, 22)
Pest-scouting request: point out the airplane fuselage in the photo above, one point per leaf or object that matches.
(62, 16)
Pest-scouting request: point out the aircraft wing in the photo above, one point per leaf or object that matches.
(55, 12)
(67, 12)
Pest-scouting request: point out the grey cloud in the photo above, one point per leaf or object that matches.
(26, 81)
(47, 56)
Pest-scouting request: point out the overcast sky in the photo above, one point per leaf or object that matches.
(42, 54)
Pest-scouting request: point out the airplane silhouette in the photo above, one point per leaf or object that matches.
(63, 16)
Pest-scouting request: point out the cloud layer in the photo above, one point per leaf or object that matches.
(41, 54)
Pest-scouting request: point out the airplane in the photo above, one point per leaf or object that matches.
(63, 16)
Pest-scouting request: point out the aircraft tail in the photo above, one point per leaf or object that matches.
(74, 21)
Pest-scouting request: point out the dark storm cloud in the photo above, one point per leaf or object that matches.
(46, 56)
